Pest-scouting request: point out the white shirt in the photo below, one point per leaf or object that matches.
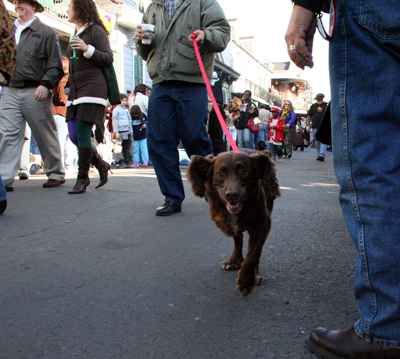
(20, 28)
(141, 100)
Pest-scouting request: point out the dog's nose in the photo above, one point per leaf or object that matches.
(231, 195)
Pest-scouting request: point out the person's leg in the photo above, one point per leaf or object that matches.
(240, 141)
(25, 154)
(292, 132)
(192, 113)
(367, 170)
(317, 143)
(136, 152)
(85, 154)
(273, 150)
(279, 151)
(246, 138)
(41, 121)
(144, 154)
(163, 141)
(72, 131)
(62, 133)
(3, 197)
(12, 130)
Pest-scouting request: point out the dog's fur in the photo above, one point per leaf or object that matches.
(234, 108)
(241, 188)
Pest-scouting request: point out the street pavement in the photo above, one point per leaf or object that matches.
(99, 276)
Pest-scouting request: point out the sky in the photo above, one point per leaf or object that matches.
(268, 21)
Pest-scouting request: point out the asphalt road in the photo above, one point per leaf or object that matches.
(99, 276)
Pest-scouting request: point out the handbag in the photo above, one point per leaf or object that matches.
(252, 126)
(113, 94)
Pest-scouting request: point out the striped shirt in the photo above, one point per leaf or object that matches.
(171, 6)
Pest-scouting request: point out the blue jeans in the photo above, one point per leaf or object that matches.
(177, 111)
(262, 135)
(320, 147)
(140, 152)
(3, 193)
(243, 138)
(366, 41)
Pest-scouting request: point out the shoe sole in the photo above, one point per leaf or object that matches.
(57, 185)
(166, 214)
(320, 352)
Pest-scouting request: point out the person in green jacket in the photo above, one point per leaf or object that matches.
(178, 104)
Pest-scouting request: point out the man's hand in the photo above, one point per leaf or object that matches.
(139, 33)
(200, 37)
(41, 93)
(300, 33)
(116, 135)
(2, 78)
(308, 128)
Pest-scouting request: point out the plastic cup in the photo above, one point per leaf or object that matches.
(148, 32)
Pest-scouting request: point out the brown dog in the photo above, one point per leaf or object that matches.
(241, 188)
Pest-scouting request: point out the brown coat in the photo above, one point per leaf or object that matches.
(87, 82)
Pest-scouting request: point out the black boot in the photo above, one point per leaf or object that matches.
(85, 156)
(102, 166)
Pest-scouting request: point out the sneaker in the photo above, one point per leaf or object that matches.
(135, 165)
(145, 164)
(280, 159)
(289, 155)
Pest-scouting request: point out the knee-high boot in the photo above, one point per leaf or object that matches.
(85, 156)
(102, 166)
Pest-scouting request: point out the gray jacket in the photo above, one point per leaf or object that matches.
(171, 54)
(38, 58)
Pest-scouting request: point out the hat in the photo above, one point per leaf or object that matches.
(275, 109)
(39, 6)
(319, 96)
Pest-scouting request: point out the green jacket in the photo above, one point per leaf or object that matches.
(171, 54)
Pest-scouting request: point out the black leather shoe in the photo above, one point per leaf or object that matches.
(346, 344)
(23, 176)
(320, 158)
(168, 208)
(9, 188)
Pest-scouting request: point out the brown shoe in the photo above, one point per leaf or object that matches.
(53, 183)
(346, 344)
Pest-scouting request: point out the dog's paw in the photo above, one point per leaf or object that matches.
(229, 265)
(246, 284)
(259, 279)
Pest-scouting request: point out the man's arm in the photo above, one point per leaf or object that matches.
(300, 33)
(215, 27)
(54, 70)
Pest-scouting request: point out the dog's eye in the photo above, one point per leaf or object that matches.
(243, 172)
(220, 174)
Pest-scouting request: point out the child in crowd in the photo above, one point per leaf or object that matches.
(276, 128)
(122, 125)
(140, 151)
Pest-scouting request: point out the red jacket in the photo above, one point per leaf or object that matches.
(276, 133)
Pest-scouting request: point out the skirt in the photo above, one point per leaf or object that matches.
(87, 112)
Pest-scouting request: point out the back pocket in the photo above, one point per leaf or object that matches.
(381, 17)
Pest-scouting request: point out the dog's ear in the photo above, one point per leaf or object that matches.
(265, 167)
(198, 173)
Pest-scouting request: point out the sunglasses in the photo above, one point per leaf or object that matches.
(320, 25)
(287, 104)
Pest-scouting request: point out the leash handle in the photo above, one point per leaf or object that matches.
(214, 102)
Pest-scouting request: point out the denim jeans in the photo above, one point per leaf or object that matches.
(365, 46)
(262, 135)
(243, 138)
(276, 150)
(140, 152)
(3, 193)
(320, 147)
(177, 111)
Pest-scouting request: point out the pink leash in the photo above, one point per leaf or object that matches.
(214, 102)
